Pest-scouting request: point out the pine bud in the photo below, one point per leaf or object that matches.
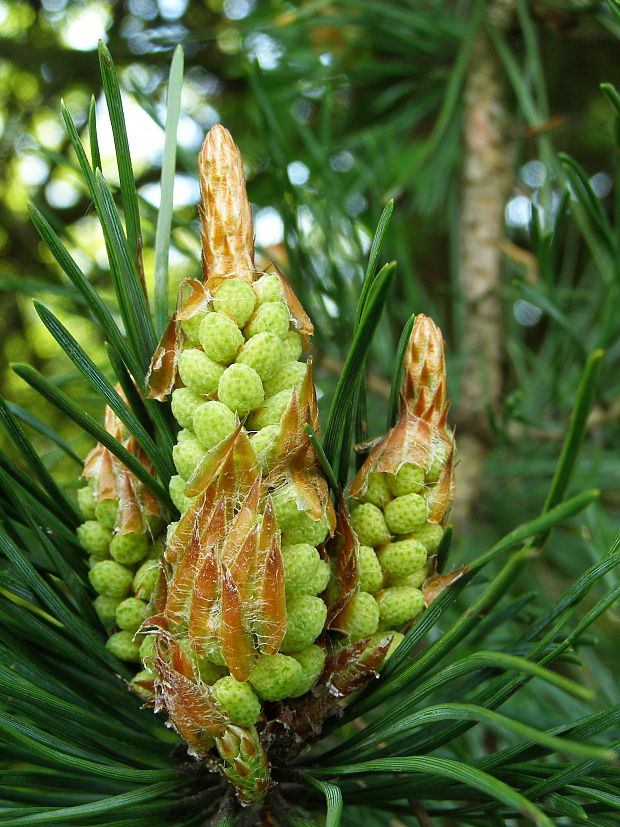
(312, 661)
(86, 501)
(240, 388)
(276, 676)
(289, 376)
(370, 525)
(402, 557)
(377, 492)
(265, 354)
(213, 422)
(399, 604)
(409, 479)
(270, 317)
(220, 338)
(106, 608)
(188, 453)
(429, 535)
(123, 646)
(406, 514)
(236, 299)
(292, 346)
(237, 700)
(301, 563)
(130, 613)
(184, 403)
(105, 513)
(268, 289)
(370, 572)
(362, 616)
(110, 578)
(198, 372)
(270, 412)
(129, 548)
(305, 618)
(94, 538)
(228, 598)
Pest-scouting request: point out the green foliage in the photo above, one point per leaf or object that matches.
(77, 748)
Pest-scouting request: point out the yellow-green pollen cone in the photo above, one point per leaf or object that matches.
(121, 535)
(402, 494)
(240, 602)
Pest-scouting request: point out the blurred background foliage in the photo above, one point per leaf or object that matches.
(458, 111)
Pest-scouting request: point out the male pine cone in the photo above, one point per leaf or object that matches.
(237, 619)
(403, 492)
(267, 609)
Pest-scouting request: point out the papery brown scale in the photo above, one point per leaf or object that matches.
(242, 769)
(160, 593)
(191, 707)
(352, 667)
(182, 535)
(270, 622)
(237, 533)
(298, 462)
(162, 373)
(194, 519)
(372, 659)
(441, 495)
(249, 746)
(425, 370)
(215, 510)
(212, 528)
(111, 422)
(342, 550)
(93, 461)
(180, 585)
(181, 663)
(269, 611)
(113, 480)
(155, 624)
(292, 447)
(244, 462)
(145, 683)
(308, 494)
(226, 216)
(209, 467)
(233, 460)
(197, 300)
(438, 583)
(409, 440)
(235, 643)
(301, 320)
(442, 422)
(130, 518)
(134, 448)
(242, 568)
(202, 625)
(289, 440)
(307, 397)
(105, 484)
(148, 502)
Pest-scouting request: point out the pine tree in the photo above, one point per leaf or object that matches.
(78, 747)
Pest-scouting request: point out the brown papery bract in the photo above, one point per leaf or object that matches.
(422, 427)
(342, 550)
(112, 480)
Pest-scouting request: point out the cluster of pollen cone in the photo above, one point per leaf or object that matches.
(262, 605)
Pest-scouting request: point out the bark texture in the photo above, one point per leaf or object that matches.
(486, 178)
